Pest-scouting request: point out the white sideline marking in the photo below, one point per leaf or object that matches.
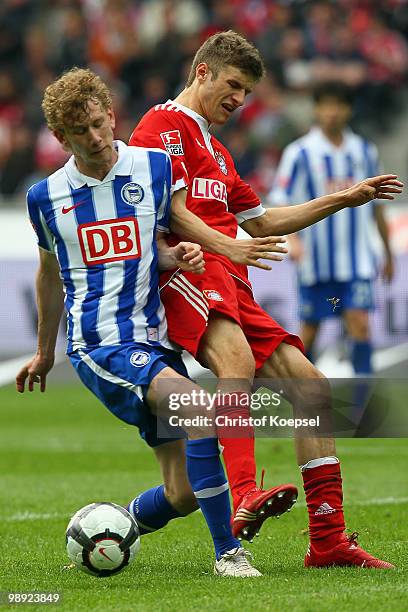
(9, 368)
(383, 359)
(38, 516)
(20, 517)
(376, 501)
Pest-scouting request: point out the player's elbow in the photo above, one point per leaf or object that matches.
(268, 224)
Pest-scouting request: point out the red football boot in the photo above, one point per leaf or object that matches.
(346, 553)
(257, 505)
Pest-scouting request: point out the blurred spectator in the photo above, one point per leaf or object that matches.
(144, 48)
(264, 117)
(49, 155)
(296, 67)
(19, 163)
(269, 41)
(318, 28)
(237, 143)
(113, 38)
(72, 49)
(386, 53)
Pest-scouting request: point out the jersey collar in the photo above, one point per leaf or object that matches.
(203, 123)
(318, 133)
(122, 167)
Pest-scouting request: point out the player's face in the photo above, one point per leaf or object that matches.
(218, 98)
(91, 139)
(332, 114)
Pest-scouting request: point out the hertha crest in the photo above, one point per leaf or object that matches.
(221, 162)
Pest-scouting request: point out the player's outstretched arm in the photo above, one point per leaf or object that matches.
(187, 225)
(50, 304)
(289, 219)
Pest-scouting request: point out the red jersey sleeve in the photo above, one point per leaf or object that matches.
(242, 199)
(159, 128)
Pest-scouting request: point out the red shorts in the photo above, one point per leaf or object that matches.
(189, 298)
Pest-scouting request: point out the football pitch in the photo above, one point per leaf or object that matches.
(62, 450)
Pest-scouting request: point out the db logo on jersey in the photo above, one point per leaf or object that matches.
(113, 240)
(172, 142)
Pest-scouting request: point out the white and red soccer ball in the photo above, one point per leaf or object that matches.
(102, 539)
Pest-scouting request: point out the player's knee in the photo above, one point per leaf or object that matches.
(313, 393)
(358, 326)
(360, 331)
(237, 363)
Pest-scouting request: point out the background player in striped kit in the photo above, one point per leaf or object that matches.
(96, 221)
(336, 257)
(233, 335)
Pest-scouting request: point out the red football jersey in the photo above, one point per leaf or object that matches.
(215, 191)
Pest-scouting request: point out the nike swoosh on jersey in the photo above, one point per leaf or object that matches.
(67, 209)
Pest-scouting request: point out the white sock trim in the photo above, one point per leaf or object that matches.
(320, 461)
(211, 491)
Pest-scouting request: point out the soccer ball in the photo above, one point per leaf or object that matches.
(102, 539)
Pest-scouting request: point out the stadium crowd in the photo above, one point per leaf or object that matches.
(143, 49)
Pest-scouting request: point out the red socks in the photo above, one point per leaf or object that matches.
(324, 497)
(238, 444)
(239, 462)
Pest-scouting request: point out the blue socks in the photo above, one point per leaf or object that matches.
(152, 510)
(361, 353)
(210, 487)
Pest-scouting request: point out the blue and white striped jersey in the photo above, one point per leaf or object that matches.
(339, 248)
(104, 235)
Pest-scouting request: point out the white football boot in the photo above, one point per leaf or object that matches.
(235, 563)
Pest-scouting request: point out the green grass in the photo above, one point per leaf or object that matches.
(62, 450)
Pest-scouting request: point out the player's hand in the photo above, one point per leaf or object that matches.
(250, 251)
(189, 257)
(388, 269)
(383, 187)
(36, 371)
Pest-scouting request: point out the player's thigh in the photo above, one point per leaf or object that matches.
(172, 460)
(180, 405)
(189, 304)
(357, 323)
(263, 333)
(225, 349)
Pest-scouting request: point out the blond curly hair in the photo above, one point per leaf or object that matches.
(66, 99)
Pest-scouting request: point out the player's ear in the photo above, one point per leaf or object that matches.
(202, 72)
(60, 136)
(112, 118)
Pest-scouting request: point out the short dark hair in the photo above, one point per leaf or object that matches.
(333, 89)
(228, 49)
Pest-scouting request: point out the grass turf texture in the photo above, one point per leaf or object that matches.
(61, 450)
